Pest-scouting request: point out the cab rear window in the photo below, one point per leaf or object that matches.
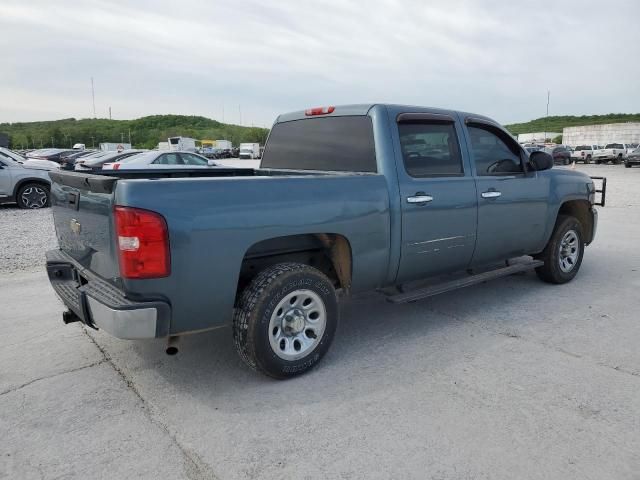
(329, 143)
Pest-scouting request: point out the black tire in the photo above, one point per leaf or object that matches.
(618, 160)
(552, 271)
(33, 196)
(257, 305)
(627, 165)
(566, 161)
(587, 160)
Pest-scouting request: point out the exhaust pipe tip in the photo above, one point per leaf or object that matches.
(172, 345)
(171, 350)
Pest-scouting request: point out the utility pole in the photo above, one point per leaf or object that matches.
(109, 113)
(129, 136)
(93, 143)
(546, 119)
(93, 97)
(51, 142)
(240, 113)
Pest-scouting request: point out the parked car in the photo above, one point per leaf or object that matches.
(28, 186)
(633, 158)
(68, 160)
(631, 147)
(51, 154)
(612, 152)
(560, 154)
(96, 163)
(349, 199)
(584, 153)
(157, 159)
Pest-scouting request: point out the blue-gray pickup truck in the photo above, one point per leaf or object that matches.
(347, 199)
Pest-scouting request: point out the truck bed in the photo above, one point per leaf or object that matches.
(215, 218)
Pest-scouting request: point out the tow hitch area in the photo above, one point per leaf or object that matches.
(602, 190)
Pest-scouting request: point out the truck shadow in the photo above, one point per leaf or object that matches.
(376, 343)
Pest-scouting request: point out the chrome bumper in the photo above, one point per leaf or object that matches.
(99, 304)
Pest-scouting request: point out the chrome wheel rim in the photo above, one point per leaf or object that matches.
(569, 251)
(34, 197)
(297, 324)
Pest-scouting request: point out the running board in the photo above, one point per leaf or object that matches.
(431, 291)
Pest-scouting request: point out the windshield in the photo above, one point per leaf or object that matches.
(9, 155)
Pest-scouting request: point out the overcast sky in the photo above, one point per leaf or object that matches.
(495, 57)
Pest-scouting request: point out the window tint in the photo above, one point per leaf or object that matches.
(494, 155)
(330, 143)
(191, 159)
(430, 149)
(614, 145)
(168, 159)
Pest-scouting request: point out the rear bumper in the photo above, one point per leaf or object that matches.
(100, 304)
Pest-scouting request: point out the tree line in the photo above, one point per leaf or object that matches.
(143, 132)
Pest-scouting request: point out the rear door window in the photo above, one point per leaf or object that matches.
(328, 143)
(430, 149)
(168, 159)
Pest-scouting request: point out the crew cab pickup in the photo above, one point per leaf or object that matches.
(347, 199)
(614, 152)
(584, 153)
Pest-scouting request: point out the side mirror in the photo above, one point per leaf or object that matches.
(541, 161)
(211, 163)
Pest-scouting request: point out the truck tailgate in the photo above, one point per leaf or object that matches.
(82, 206)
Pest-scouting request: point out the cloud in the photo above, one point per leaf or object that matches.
(259, 59)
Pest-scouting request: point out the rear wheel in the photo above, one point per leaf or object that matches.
(285, 320)
(618, 160)
(587, 160)
(32, 196)
(563, 254)
(627, 165)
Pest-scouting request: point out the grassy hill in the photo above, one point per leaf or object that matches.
(557, 123)
(146, 132)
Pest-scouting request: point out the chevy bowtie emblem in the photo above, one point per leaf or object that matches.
(75, 226)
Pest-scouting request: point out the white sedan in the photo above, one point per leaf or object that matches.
(160, 159)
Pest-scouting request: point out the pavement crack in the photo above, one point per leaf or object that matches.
(195, 467)
(31, 382)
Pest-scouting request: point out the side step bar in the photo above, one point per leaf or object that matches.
(431, 291)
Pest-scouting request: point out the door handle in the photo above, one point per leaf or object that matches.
(491, 194)
(420, 198)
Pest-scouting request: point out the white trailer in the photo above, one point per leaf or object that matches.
(184, 144)
(250, 150)
(224, 144)
(115, 147)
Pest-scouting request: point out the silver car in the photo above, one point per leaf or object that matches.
(161, 160)
(27, 186)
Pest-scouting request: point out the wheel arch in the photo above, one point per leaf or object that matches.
(581, 210)
(23, 181)
(330, 253)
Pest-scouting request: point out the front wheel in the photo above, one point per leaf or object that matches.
(33, 195)
(563, 254)
(285, 320)
(627, 165)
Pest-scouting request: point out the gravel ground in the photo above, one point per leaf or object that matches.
(25, 235)
(512, 379)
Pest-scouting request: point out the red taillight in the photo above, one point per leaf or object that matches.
(319, 111)
(115, 166)
(142, 242)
